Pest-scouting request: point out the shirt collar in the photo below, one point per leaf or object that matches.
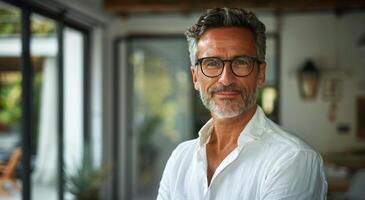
(205, 132)
(252, 131)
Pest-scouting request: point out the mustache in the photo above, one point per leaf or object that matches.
(223, 88)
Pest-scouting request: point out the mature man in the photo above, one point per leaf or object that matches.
(239, 154)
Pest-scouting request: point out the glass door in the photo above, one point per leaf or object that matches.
(31, 101)
(159, 109)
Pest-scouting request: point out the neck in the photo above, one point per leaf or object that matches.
(227, 130)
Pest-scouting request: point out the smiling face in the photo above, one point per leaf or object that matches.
(227, 95)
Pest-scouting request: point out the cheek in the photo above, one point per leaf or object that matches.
(205, 83)
(249, 86)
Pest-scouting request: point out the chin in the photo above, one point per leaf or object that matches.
(225, 113)
(230, 111)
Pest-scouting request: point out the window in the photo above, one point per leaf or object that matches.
(46, 69)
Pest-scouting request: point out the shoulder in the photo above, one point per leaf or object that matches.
(175, 166)
(186, 146)
(277, 137)
(184, 150)
(287, 150)
(293, 157)
(274, 138)
(294, 165)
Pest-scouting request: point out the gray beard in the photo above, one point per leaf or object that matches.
(229, 110)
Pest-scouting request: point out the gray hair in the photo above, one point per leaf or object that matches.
(227, 17)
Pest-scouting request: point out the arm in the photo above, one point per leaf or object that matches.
(298, 176)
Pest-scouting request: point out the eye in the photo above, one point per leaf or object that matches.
(211, 63)
(241, 62)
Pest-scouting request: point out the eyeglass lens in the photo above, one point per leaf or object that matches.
(241, 66)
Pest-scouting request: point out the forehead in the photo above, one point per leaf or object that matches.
(227, 41)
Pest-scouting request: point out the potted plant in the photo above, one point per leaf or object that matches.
(86, 182)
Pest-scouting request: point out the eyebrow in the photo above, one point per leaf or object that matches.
(230, 58)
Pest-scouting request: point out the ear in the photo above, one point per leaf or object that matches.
(261, 75)
(194, 72)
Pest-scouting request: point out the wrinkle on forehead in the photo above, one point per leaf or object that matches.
(227, 41)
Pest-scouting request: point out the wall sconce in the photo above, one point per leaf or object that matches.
(308, 80)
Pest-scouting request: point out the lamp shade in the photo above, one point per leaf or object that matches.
(308, 80)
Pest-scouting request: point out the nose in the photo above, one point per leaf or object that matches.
(227, 77)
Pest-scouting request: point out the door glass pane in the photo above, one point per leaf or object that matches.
(44, 47)
(162, 108)
(73, 102)
(10, 99)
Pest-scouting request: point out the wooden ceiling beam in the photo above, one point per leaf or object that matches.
(142, 6)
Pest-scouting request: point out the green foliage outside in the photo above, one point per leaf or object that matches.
(10, 24)
(10, 101)
(10, 105)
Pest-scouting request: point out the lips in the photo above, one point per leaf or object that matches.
(227, 94)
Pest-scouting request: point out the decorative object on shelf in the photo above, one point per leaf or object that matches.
(308, 80)
(332, 92)
(332, 89)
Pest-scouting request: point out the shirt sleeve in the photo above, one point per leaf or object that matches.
(165, 183)
(298, 176)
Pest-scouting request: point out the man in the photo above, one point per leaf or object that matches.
(239, 154)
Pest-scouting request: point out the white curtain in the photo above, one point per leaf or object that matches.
(73, 100)
(46, 162)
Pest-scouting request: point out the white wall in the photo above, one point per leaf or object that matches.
(327, 40)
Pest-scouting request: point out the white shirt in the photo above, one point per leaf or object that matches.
(268, 164)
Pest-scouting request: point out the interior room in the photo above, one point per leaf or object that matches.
(96, 94)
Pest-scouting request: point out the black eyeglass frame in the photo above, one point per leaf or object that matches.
(255, 60)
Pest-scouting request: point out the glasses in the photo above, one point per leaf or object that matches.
(241, 66)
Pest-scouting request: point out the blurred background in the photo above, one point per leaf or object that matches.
(95, 94)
